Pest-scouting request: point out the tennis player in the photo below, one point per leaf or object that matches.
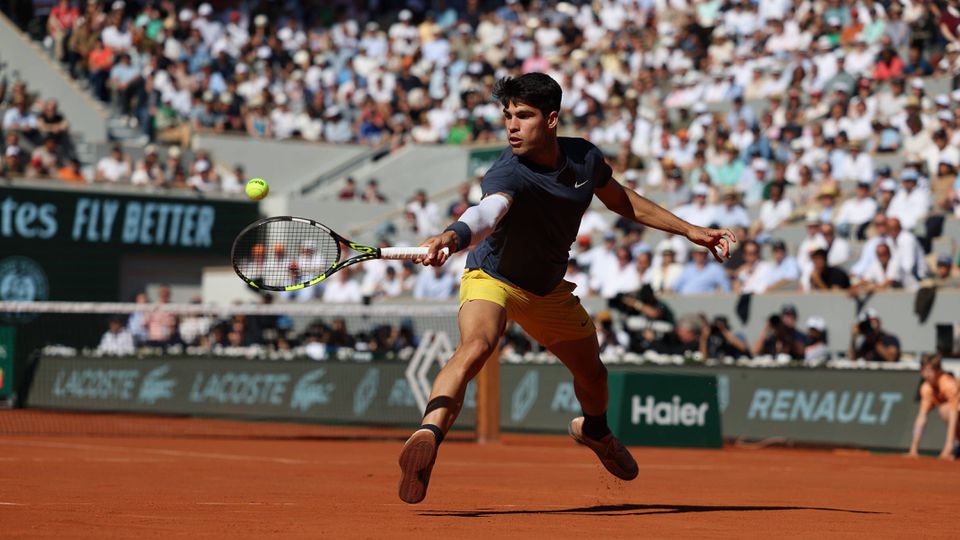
(939, 390)
(520, 234)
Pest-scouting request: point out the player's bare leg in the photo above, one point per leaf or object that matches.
(582, 358)
(944, 411)
(481, 323)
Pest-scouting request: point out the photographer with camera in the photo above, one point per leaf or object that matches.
(780, 335)
(648, 319)
(869, 342)
(717, 340)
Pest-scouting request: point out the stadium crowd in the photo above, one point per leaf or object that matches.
(840, 117)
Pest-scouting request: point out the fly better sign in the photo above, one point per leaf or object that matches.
(665, 410)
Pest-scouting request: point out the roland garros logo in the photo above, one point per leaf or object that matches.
(22, 280)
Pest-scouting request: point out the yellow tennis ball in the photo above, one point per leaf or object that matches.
(257, 189)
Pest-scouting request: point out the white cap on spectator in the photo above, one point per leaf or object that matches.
(812, 217)
(12, 151)
(173, 152)
(631, 175)
(888, 185)
(205, 9)
(917, 83)
(260, 20)
(945, 115)
(405, 15)
(332, 111)
(202, 165)
(285, 34)
(700, 107)
(186, 15)
(942, 100)
(150, 149)
(759, 164)
(118, 5)
(947, 159)
(700, 190)
(869, 313)
(242, 68)
(280, 99)
(955, 95)
(817, 323)
(301, 57)
(665, 245)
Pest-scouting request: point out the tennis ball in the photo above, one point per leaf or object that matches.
(257, 188)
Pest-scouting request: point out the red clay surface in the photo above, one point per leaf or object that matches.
(317, 483)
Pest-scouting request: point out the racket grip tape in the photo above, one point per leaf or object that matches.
(405, 252)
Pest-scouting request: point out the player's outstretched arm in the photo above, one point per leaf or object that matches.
(473, 226)
(642, 210)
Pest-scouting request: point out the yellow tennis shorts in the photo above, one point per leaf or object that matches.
(558, 316)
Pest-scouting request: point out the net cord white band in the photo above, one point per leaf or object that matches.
(293, 309)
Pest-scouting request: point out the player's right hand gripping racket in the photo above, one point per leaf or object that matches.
(288, 253)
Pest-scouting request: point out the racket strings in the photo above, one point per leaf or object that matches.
(285, 253)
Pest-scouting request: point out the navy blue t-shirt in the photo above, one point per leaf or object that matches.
(531, 244)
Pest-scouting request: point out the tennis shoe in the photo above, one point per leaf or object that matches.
(416, 463)
(612, 453)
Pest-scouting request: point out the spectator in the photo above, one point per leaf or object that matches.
(698, 212)
(51, 123)
(774, 211)
(371, 193)
(71, 173)
(823, 277)
(427, 214)
(856, 214)
(817, 349)
(578, 277)
(664, 273)
(342, 288)
(114, 167)
(908, 254)
(753, 276)
(701, 276)
(911, 203)
(19, 120)
(883, 274)
(721, 341)
(44, 162)
(349, 190)
(945, 276)
(204, 180)
(161, 325)
(148, 171)
(868, 340)
(732, 214)
(784, 269)
(838, 249)
(434, 284)
(62, 18)
(780, 336)
(117, 340)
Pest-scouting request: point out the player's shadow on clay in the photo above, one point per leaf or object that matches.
(635, 510)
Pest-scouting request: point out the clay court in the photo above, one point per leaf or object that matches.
(208, 478)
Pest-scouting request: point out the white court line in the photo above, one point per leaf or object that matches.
(247, 503)
(9, 504)
(159, 451)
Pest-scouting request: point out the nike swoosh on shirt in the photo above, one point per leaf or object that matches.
(579, 184)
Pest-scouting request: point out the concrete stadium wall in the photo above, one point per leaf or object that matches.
(839, 311)
(86, 116)
(287, 165)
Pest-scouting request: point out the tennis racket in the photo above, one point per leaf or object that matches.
(288, 253)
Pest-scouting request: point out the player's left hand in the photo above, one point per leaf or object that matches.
(946, 455)
(712, 239)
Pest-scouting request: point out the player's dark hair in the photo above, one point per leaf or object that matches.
(931, 360)
(535, 89)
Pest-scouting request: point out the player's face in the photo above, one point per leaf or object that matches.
(528, 130)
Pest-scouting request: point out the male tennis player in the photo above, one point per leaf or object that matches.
(939, 389)
(520, 235)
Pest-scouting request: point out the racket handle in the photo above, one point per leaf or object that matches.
(405, 252)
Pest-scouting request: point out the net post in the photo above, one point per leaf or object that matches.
(488, 400)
